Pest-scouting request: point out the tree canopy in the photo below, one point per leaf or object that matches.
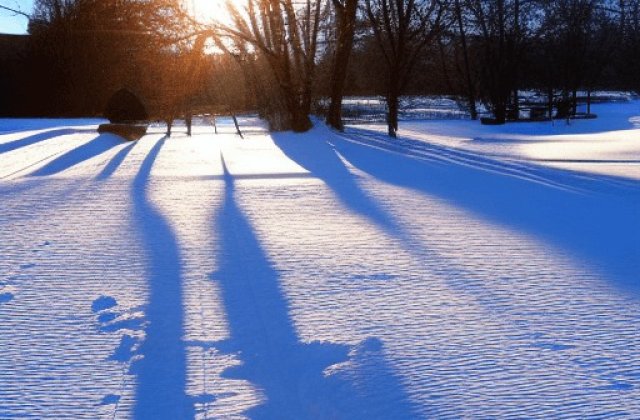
(281, 57)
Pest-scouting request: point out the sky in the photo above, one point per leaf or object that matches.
(11, 23)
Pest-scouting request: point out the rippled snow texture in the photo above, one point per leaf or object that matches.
(301, 287)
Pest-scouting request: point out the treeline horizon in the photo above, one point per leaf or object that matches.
(279, 57)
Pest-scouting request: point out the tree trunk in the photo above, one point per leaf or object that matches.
(471, 97)
(188, 120)
(514, 54)
(393, 101)
(346, 16)
(298, 113)
(285, 34)
(500, 110)
(300, 121)
(550, 101)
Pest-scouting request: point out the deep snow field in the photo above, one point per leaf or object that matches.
(459, 271)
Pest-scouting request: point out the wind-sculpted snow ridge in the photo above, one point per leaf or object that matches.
(305, 276)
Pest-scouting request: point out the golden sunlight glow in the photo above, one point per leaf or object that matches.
(208, 11)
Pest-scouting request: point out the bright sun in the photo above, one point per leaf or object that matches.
(208, 11)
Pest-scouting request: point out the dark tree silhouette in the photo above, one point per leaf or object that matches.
(81, 52)
(346, 13)
(403, 29)
(285, 34)
(501, 44)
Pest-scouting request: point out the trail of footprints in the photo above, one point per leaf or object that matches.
(130, 325)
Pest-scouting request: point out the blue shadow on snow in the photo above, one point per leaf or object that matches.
(319, 158)
(115, 162)
(161, 373)
(37, 138)
(291, 374)
(93, 148)
(601, 230)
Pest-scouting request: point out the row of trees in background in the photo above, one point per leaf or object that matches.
(280, 56)
(80, 52)
(490, 50)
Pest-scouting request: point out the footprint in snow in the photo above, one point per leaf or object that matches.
(110, 399)
(111, 320)
(126, 349)
(40, 247)
(103, 303)
(106, 317)
(6, 297)
(127, 321)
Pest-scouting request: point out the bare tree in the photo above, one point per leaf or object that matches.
(285, 34)
(92, 48)
(628, 66)
(345, 15)
(459, 17)
(403, 29)
(501, 39)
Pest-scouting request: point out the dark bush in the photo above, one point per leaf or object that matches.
(490, 121)
(125, 106)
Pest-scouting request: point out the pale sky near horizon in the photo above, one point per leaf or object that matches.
(11, 23)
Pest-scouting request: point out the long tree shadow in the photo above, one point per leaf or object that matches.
(14, 125)
(115, 162)
(161, 373)
(93, 148)
(37, 138)
(319, 158)
(527, 170)
(292, 375)
(602, 230)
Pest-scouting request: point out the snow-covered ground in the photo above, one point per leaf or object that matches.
(455, 272)
(608, 145)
